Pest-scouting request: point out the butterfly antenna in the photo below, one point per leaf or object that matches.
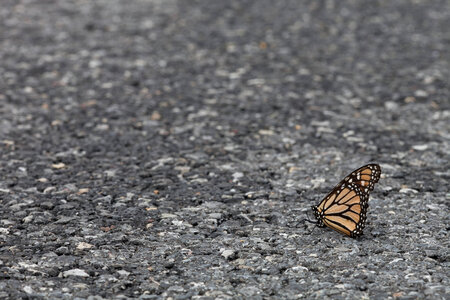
(307, 220)
(312, 230)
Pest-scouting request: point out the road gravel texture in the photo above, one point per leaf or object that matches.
(165, 149)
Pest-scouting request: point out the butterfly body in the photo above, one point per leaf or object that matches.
(344, 208)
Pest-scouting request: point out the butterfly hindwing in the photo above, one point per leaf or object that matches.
(344, 208)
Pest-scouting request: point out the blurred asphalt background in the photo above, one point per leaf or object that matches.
(157, 149)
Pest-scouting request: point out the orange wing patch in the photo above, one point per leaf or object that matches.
(356, 208)
(347, 195)
(352, 215)
(354, 200)
(337, 228)
(325, 204)
(337, 209)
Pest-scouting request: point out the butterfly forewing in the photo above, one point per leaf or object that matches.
(344, 208)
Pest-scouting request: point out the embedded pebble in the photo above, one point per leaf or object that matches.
(75, 272)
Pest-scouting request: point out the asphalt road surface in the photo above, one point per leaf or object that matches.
(171, 149)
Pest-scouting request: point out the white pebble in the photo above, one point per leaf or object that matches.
(75, 272)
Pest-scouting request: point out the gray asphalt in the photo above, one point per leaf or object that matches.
(171, 149)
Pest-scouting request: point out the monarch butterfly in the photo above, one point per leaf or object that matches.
(344, 208)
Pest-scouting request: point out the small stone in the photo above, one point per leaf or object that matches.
(166, 216)
(28, 289)
(176, 288)
(155, 116)
(47, 205)
(390, 105)
(27, 219)
(237, 176)
(83, 246)
(421, 93)
(75, 272)
(81, 286)
(169, 264)
(65, 220)
(49, 190)
(62, 250)
(101, 127)
(408, 190)
(58, 166)
(123, 273)
(82, 191)
(216, 216)
(266, 132)
(409, 99)
(110, 173)
(420, 147)
(228, 254)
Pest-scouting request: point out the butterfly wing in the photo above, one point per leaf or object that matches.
(344, 208)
